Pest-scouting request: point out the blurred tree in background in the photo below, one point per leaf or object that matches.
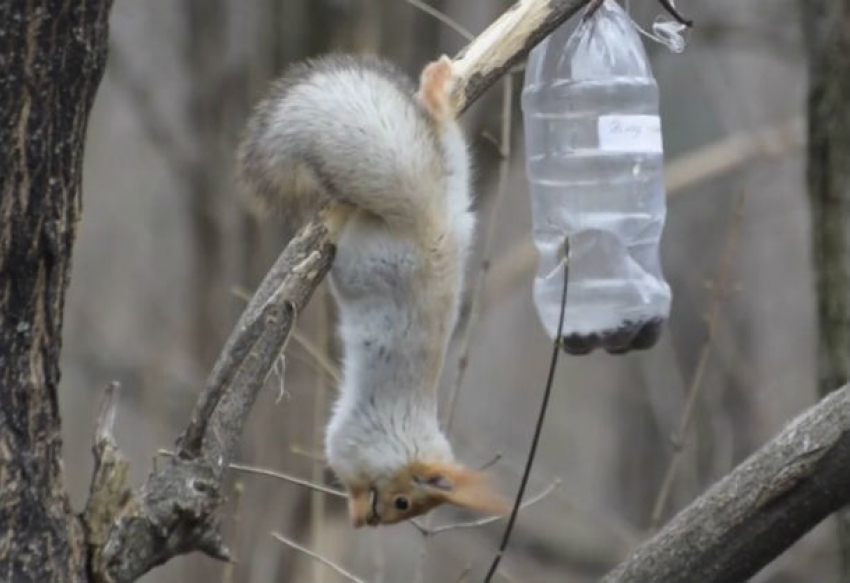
(827, 33)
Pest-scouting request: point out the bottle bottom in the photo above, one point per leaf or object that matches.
(628, 336)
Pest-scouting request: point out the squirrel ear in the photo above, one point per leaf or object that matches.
(474, 493)
(462, 487)
(358, 505)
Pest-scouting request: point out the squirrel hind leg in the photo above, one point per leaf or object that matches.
(435, 89)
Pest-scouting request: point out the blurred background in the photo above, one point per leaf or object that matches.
(167, 252)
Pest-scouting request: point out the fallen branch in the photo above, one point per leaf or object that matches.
(759, 509)
(174, 512)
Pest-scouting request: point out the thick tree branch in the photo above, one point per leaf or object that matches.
(504, 43)
(174, 512)
(757, 511)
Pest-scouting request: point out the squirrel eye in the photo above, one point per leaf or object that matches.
(401, 503)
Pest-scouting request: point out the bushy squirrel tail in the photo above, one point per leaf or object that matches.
(352, 129)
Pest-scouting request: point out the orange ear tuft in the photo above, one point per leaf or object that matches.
(475, 493)
(462, 487)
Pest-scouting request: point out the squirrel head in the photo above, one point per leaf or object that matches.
(418, 488)
(403, 470)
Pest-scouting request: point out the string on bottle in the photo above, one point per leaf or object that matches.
(544, 405)
(665, 30)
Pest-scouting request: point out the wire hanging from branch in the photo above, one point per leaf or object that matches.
(668, 5)
(544, 405)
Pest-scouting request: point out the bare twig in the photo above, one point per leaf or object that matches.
(106, 417)
(296, 449)
(319, 356)
(541, 416)
(110, 488)
(720, 289)
(379, 559)
(320, 393)
(464, 575)
(442, 17)
(238, 499)
(625, 535)
(287, 478)
(759, 509)
(488, 520)
(469, 324)
(316, 556)
(491, 462)
(272, 474)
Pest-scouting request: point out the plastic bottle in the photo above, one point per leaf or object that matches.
(595, 167)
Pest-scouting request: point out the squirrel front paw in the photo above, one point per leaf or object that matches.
(435, 89)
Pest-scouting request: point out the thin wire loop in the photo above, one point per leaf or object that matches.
(553, 364)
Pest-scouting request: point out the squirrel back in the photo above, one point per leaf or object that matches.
(355, 130)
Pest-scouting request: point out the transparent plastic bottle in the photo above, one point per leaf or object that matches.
(595, 168)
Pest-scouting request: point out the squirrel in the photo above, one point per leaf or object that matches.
(356, 130)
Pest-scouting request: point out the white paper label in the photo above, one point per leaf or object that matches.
(630, 133)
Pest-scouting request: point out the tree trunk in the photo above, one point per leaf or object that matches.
(52, 56)
(827, 30)
(828, 39)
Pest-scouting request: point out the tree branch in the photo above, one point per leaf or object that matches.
(758, 510)
(504, 43)
(174, 511)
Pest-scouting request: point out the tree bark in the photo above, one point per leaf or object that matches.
(52, 56)
(827, 33)
(759, 509)
(828, 40)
